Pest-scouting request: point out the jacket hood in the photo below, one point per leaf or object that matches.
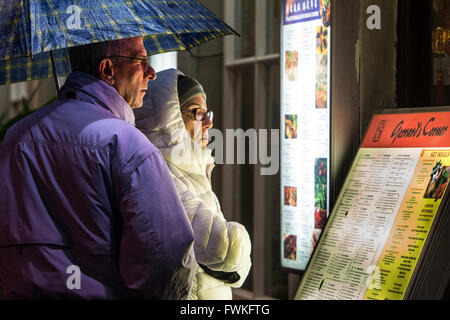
(161, 121)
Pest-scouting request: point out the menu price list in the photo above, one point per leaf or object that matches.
(412, 225)
(377, 231)
(345, 264)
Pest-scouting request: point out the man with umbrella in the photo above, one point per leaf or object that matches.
(89, 209)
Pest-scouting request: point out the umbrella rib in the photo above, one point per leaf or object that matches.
(55, 73)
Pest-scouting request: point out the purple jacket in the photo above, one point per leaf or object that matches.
(82, 188)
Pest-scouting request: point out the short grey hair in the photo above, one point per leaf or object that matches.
(86, 58)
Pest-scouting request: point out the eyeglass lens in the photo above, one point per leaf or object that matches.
(200, 115)
(146, 64)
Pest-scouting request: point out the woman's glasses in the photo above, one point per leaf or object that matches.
(200, 114)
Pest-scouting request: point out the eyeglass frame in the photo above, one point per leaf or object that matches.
(208, 114)
(146, 59)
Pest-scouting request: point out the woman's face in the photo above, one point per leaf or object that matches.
(198, 130)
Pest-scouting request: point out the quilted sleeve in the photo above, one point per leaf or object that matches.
(219, 245)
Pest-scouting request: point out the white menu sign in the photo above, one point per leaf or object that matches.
(305, 121)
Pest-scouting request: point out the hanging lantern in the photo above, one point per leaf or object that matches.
(439, 40)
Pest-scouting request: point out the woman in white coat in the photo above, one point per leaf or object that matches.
(176, 120)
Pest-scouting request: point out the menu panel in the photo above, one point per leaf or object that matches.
(361, 222)
(412, 225)
(381, 220)
(305, 119)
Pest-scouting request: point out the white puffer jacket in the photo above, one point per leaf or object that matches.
(222, 248)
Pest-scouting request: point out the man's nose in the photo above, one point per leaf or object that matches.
(149, 73)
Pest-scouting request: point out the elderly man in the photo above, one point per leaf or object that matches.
(88, 207)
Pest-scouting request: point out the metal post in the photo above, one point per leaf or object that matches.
(55, 73)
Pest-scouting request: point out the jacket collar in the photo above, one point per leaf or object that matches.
(85, 87)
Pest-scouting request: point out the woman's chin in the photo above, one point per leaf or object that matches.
(202, 142)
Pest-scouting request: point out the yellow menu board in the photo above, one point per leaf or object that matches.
(376, 234)
(411, 227)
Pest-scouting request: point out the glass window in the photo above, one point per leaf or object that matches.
(17, 92)
(252, 85)
(243, 174)
(273, 16)
(245, 24)
(164, 61)
(275, 279)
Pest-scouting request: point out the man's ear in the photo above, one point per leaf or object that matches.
(106, 71)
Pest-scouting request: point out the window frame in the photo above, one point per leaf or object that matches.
(231, 205)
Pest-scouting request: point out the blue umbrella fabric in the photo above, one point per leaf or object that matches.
(30, 29)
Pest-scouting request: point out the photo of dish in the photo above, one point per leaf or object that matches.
(320, 193)
(321, 89)
(325, 12)
(315, 238)
(321, 96)
(291, 67)
(290, 196)
(321, 40)
(290, 128)
(290, 246)
(438, 182)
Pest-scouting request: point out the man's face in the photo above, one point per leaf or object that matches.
(131, 76)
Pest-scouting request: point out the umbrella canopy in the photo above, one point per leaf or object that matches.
(32, 29)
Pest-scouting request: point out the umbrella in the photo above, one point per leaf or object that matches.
(35, 33)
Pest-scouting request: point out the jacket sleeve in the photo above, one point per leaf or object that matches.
(221, 246)
(156, 251)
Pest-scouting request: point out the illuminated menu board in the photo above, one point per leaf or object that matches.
(305, 121)
(375, 235)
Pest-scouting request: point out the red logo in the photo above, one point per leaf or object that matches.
(379, 131)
